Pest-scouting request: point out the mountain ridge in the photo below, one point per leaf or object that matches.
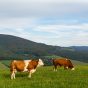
(16, 47)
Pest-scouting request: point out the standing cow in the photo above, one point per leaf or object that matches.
(24, 65)
(66, 63)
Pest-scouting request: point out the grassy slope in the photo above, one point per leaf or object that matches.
(45, 77)
(78, 62)
(3, 66)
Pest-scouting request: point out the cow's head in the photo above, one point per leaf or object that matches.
(40, 62)
(73, 68)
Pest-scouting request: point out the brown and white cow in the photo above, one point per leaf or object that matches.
(66, 63)
(24, 65)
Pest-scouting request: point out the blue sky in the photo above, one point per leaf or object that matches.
(53, 22)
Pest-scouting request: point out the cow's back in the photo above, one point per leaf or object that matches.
(59, 61)
(17, 65)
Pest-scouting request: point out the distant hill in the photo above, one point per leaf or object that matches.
(15, 47)
(80, 48)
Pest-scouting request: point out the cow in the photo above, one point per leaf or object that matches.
(66, 63)
(24, 66)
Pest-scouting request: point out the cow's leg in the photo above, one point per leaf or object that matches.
(12, 75)
(55, 68)
(29, 76)
(31, 72)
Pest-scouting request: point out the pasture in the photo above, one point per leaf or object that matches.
(45, 77)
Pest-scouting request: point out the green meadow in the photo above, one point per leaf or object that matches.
(45, 77)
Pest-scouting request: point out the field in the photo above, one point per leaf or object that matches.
(45, 77)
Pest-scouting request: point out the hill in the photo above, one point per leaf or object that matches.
(80, 48)
(15, 47)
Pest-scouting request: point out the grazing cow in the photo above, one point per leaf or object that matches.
(24, 65)
(66, 63)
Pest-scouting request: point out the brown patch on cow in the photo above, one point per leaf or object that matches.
(32, 65)
(17, 65)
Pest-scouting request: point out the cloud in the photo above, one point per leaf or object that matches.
(24, 13)
(61, 34)
(16, 22)
(56, 22)
(62, 28)
(38, 8)
(65, 35)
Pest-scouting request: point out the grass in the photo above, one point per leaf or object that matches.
(45, 77)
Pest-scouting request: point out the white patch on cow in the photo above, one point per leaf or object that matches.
(14, 61)
(40, 63)
(26, 64)
(67, 67)
(73, 69)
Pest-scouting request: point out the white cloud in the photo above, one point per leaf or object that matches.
(38, 8)
(44, 1)
(19, 17)
(21, 13)
(62, 28)
(60, 36)
(15, 23)
(63, 35)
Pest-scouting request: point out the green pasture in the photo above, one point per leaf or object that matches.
(45, 77)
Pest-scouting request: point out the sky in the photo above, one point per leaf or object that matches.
(53, 22)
